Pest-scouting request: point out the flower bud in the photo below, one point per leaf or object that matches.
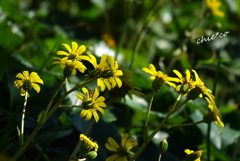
(91, 155)
(194, 93)
(107, 74)
(157, 83)
(163, 145)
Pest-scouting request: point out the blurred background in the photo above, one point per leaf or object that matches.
(136, 33)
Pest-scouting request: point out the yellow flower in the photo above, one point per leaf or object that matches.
(74, 53)
(193, 156)
(109, 72)
(27, 82)
(91, 104)
(88, 142)
(214, 6)
(122, 151)
(215, 114)
(114, 80)
(70, 66)
(186, 83)
(204, 90)
(160, 75)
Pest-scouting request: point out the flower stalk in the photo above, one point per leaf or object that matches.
(172, 110)
(23, 116)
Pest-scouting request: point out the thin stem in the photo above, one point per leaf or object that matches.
(236, 150)
(160, 155)
(23, 116)
(70, 106)
(182, 125)
(147, 115)
(29, 139)
(53, 97)
(172, 110)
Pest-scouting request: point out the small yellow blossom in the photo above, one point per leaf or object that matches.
(214, 5)
(204, 90)
(160, 75)
(215, 113)
(27, 82)
(89, 144)
(70, 66)
(122, 151)
(114, 80)
(109, 72)
(185, 80)
(193, 156)
(91, 104)
(74, 53)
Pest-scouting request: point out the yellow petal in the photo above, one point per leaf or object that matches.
(18, 83)
(36, 87)
(119, 82)
(81, 49)
(96, 94)
(80, 96)
(109, 147)
(62, 53)
(83, 113)
(124, 139)
(95, 115)
(67, 47)
(112, 142)
(89, 115)
(74, 46)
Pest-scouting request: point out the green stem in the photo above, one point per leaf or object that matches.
(53, 97)
(147, 115)
(172, 110)
(23, 116)
(29, 139)
(71, 106)
(182, 125)
(160, 155)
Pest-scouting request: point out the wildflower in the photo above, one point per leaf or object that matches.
(70, 66)
(193, 156)
(203, 90)
(74, 53)
(91, 104)
(115, 73)
(88, 144)
(214, 5)
(122, 151)
(27, 82)
(214, 114)
(109, 73)
(186, 83)
(159, 77)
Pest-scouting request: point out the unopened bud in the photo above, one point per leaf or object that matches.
(163, 145)
(91, 155)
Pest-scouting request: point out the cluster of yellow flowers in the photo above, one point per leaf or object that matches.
(186, 85)
(107, 75)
